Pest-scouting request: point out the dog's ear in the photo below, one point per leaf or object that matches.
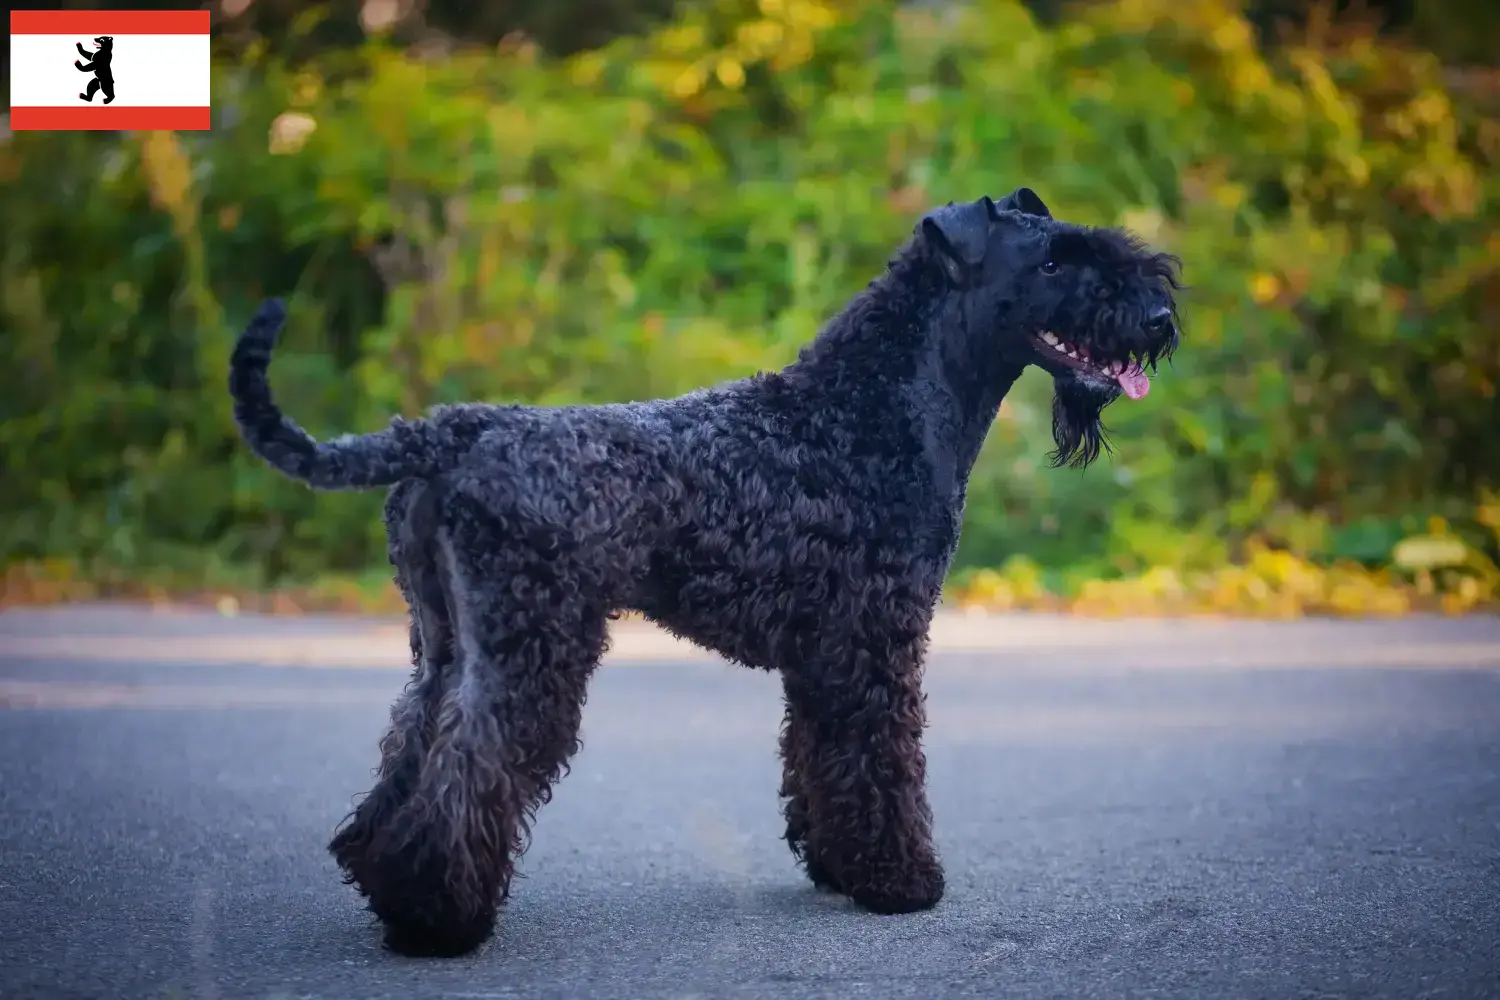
(961, 234)
(1025, 201)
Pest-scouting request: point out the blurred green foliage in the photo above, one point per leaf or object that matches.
(689, 205)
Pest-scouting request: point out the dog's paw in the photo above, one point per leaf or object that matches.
(451, 939)
(906, 890)
(819, 876)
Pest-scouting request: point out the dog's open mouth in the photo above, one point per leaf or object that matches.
(1130, 376)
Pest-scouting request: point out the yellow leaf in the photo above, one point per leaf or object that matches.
(730, 73)
(167, 170)
(688, 83)
(1264, 288)
(1426, 552)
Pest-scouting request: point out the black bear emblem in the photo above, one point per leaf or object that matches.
(98, 64)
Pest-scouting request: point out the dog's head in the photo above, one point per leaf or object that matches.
(1094, 308)
(105, 42)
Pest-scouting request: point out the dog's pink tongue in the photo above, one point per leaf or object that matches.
(1134, 382)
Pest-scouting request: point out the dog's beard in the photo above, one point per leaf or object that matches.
(1077, 428)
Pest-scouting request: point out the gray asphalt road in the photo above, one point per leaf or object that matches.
(1110, 827)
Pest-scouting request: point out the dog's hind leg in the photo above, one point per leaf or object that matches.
(527, 637)
(405, 743)
(853, 755)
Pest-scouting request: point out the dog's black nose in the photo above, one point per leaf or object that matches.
(1159, 320)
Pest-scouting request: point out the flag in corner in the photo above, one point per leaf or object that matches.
(128, 70)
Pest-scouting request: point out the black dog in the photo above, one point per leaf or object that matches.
(799, 521)
(104, 77)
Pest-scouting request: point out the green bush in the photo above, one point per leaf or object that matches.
(689, 206)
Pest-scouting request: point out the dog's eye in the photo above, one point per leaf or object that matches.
(1049, 267)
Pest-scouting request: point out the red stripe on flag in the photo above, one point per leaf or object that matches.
(110, 119)
(109, 22)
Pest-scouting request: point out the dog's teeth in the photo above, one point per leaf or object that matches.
(1060, 347)
(1073, 354)
(1050, 338)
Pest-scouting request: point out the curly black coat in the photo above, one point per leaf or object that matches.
(801, 521)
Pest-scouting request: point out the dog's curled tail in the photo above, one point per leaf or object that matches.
(404, 450)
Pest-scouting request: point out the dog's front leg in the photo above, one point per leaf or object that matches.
(797, 757)
(854, 774)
